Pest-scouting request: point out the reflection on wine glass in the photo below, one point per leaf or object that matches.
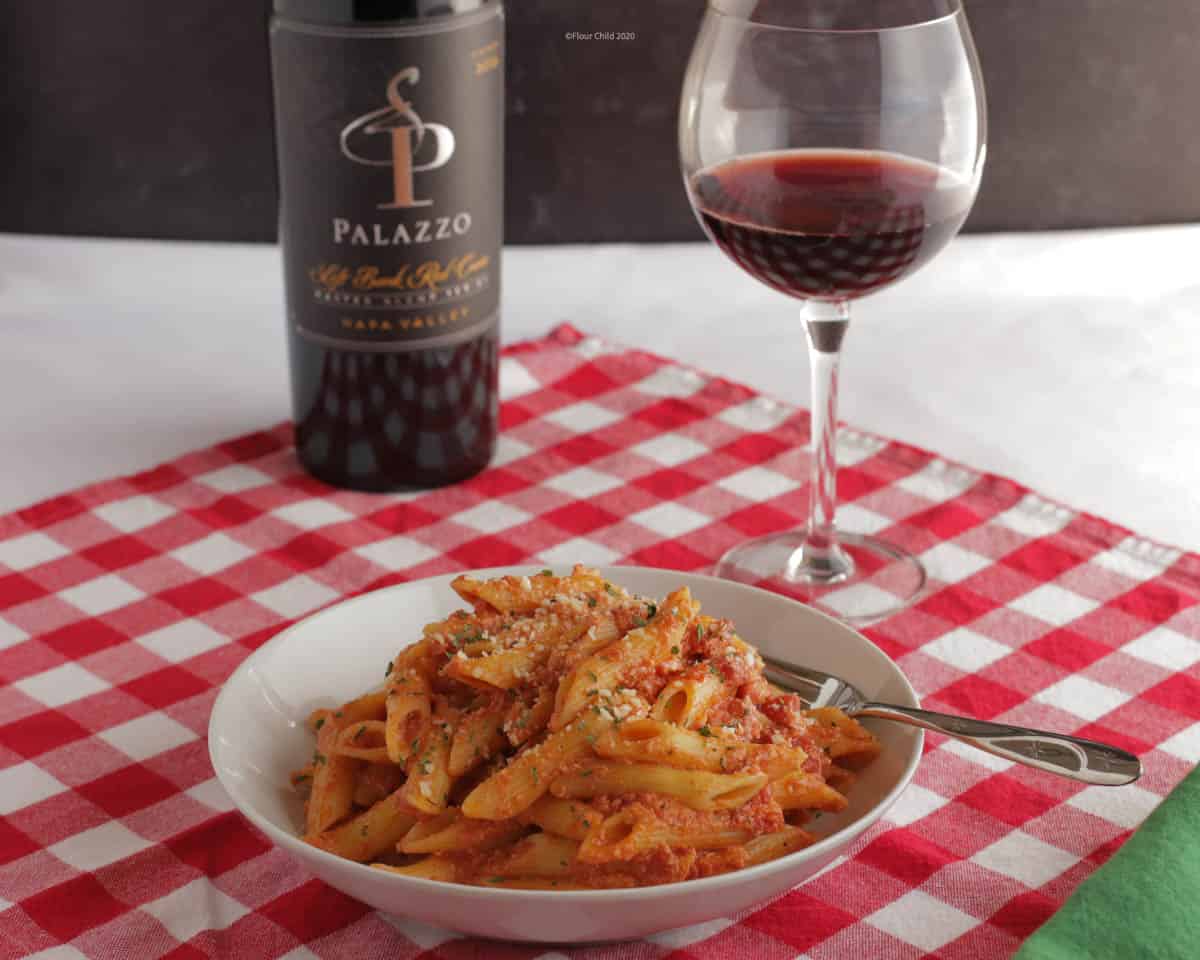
(831, 148)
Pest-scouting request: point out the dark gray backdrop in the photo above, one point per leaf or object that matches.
(148, 118)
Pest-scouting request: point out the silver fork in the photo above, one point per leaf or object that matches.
(1073, 757)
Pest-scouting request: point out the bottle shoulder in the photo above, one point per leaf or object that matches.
(379, 13)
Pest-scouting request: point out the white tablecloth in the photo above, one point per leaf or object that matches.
(1069, 362)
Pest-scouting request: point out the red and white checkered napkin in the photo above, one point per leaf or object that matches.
(124, 606)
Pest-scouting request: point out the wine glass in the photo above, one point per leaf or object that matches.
(831, 148)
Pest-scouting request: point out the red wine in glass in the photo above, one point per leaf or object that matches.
(830, 224)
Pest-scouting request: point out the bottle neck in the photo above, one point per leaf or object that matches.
(349, 12)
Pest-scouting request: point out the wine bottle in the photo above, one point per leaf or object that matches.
(389, 122)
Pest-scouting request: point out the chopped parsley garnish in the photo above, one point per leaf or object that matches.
(592, 676)
(320, 723)
(388, 671)
(533, 770)
(318, 757)
(705, 731)
(639, 622)
(699, 631)
(651, 609)
(675, 650)
(545, 572)
(610, 589)
(586, 773)
(591, 601)
(360, 731)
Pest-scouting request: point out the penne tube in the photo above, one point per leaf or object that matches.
(523, 722)
(770, 846)
(778, 760)
(375, 831)
(430, 868)
(525, 594)
(846, 741)
(409, 703)
(603, 670)
(363, 741)
(658, 742)
(453, 833)
(332, 797)
(806, 791)
(629, 834)
(566, 818)
(427, 788)
(478, 736)
(370, 706)
(687, 700)
(515, 788)
(538, 855)
(697, 789)
(519, 652)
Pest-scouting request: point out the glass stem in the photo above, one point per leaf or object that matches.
(820, 559)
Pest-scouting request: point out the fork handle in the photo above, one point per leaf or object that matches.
(1085, 760)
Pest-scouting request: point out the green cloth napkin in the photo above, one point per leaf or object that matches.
(1144, 903)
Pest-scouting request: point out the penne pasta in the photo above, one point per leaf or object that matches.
(806, 791)
(515, 788)
(525, 594)
(698, 789)
(604, 669)
(562, 734)
(427, 787)
(846, 741)
(628, 834)
(686, 701)
(524, 721)
(771, 846)
(566, 818)
(451, 832)
(409, 705)
(375, 831)
(332, 796)
(363, 741)
(517, 654)
(478, 736)
(659, 742)
(538, 855)
(431, 868)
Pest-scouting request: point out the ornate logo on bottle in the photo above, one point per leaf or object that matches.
(411, 140)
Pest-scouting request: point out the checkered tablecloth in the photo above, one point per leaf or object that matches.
(124, 606)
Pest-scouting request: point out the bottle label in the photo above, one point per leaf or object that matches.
(391, 151)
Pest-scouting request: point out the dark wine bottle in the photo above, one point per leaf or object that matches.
(389, 132)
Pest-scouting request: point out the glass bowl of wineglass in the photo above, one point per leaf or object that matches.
(830, 148)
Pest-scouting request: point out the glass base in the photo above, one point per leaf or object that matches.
(861, 581)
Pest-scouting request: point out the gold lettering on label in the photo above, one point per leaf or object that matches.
(431, 276)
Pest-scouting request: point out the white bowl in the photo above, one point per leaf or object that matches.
(257, 736)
